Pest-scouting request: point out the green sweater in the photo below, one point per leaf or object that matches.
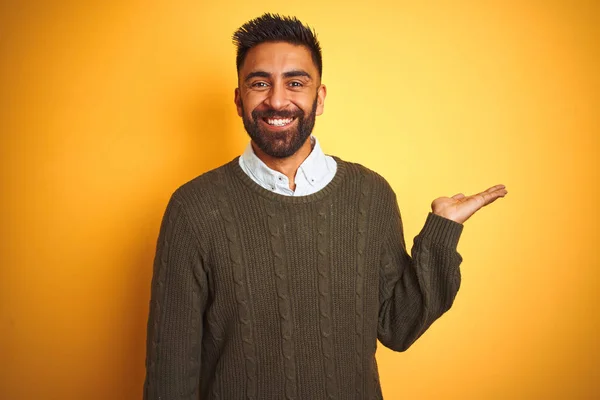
(257, 295)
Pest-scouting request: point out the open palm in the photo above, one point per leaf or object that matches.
(459, 207)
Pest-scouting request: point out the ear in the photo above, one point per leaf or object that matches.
(321, 94)
(238, 101)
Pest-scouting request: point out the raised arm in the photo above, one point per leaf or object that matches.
(417, 290)
(178, 297)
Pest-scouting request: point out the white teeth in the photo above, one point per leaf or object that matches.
(279, 122)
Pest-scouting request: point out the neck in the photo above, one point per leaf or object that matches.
(289, 165)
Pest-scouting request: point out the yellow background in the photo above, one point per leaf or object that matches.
(107, 107)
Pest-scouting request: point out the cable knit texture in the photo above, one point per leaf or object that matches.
(257, 295)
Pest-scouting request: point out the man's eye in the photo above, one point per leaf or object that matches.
(296, 84)
(259, 84)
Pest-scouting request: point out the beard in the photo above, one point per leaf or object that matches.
(281, 144)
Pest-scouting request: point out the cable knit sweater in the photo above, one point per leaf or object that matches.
(257, 295)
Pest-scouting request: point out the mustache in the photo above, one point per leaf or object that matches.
(271, 113)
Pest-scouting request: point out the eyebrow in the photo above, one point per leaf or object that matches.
(296, 73)
(289, 74)
(255, 74)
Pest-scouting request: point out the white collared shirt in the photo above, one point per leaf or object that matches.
(313, 174)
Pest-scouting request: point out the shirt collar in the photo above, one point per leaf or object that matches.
(313, 169)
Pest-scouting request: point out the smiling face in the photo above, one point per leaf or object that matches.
(279, 96)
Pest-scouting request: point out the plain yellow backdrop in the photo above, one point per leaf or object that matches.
(107, 106)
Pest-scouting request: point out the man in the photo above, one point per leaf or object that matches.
(276, 274)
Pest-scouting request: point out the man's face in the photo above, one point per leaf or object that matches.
(278, 97)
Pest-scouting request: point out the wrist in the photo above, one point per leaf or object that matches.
(454, 218)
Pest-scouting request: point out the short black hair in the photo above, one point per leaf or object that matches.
(275, 28)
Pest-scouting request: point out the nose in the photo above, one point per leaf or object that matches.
(277, 98)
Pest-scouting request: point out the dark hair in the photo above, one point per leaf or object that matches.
(275, 28)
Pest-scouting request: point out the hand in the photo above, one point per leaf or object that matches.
(459, 207)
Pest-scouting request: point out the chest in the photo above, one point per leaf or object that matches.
(267, 250)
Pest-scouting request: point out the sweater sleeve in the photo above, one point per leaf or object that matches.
(178, 297)
(417, 290)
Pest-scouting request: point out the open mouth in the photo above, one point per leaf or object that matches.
(279, 122)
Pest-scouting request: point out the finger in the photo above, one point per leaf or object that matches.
(492, 200)
(495, 187)
(499, 191)
(490, 197)
(458, 196)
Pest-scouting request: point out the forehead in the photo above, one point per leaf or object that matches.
(278, 57)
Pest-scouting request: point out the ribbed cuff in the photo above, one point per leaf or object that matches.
(442, 230)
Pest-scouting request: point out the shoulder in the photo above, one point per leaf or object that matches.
(206, 182)
(367, 175)
(199, 193)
